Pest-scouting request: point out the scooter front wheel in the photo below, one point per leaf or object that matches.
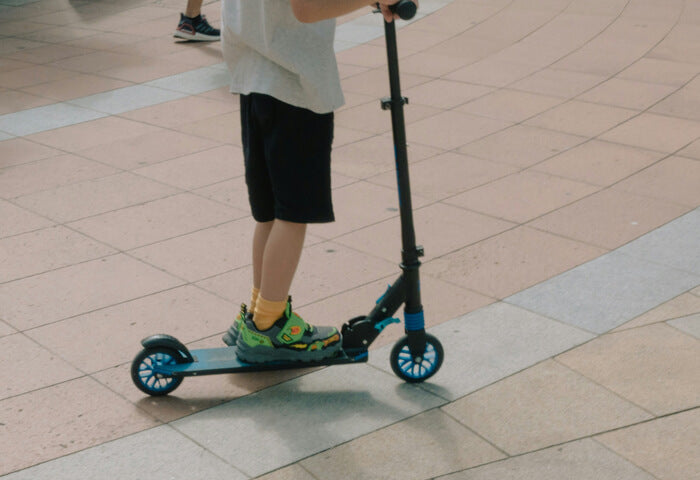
(417, 369)
(147, 379)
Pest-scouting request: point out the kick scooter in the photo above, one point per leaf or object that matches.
(164, 361)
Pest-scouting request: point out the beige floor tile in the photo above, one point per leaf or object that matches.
(293, 472)
(155, 221)
(492, 72)
(28, 366)
(440, 229)
(62, 419)
(373, 156)
(94, 197)
(510, 105)
(466, 48)
(345, 136)
(692, 150)
(447, 175)
(18, 150)
(26, 77)
(542, 406)
(628, 94)
(609, 218)
(371, 56)
(14, 101)
(522, 196)
(599, 163)
(445, 94)
(107, 41)
(666, 447)
(510, 262)
(664, 72)
(92, 134)
(582, 460)
(318, 276)
(431, 65)
(233, 192)
(205, 55)
(375, 82)
(16, 220)
(674, 179)
(370, 118)
(655, 132)
(178, 112)
(522, 146)
(12, 45)
(10, 65)
(49, 173)
(224, 128)
(656, 367)
(204, 253)
(360, 204)
(412, 37)
(148, 149)
(188, 313)
(75, 87)
(43, 250)
(234, 285)
(198, 169)
(452, 129)
(682, 104)
(425, 446)
(74, 290)
(558, 83)
(681, 306)
(223, 94)
(154, 47)
(581, 118)
(52, 53)
(96, 62)
(5, 329)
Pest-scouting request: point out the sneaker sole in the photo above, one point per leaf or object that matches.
(231, 336)
(197, 37)
(249, 354)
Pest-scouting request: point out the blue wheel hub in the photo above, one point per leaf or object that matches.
(147, 371)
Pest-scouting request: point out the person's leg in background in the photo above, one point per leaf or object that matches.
(194, 26)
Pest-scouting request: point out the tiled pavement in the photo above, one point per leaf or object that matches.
(555, 155)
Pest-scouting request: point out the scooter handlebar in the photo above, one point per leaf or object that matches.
(406, 9)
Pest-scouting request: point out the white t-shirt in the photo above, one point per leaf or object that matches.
(269, 51)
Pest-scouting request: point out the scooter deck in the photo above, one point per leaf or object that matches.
(211, 361)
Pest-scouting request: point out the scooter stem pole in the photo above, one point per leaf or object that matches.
(409, 254)
(408, 236)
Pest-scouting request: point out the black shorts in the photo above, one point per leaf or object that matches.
(287, 153)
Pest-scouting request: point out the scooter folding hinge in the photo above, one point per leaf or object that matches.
(387, 102)
(380, 326)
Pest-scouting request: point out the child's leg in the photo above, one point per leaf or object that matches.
(278, 264)
(260, 236)
(194, 8)
(280, 260)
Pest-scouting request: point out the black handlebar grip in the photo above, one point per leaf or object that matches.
(405, 8)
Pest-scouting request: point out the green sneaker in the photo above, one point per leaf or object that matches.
(231, 335)
(290, 339)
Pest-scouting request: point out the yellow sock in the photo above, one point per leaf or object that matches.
(254, 299)
(267, 312)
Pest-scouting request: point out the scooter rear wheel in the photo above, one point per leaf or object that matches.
(417, 369)
(144, 376)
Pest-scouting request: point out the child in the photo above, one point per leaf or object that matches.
(282, 62)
